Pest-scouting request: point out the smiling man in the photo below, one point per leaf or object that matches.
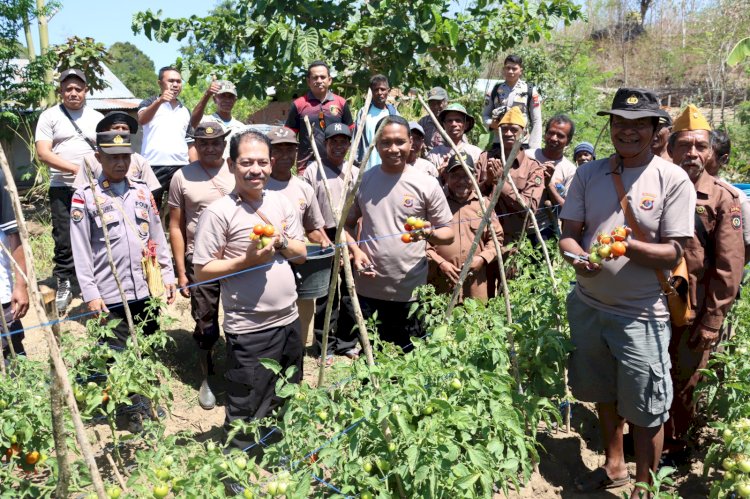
(621, 332)
(258, 290)
(224, 95)
(65, 134)
(379, 109)
(457, 122)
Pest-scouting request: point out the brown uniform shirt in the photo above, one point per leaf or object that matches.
(715, 255)
(528, 175)
(466, 218)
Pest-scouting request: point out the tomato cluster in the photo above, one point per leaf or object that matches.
(736, 463)
(609, 246)
(263, 234)
(414, 226)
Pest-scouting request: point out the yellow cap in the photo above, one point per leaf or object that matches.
(690, 119)
(514, 116)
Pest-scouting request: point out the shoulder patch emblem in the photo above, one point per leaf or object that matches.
(76, 215)
(647, 203)
(408, 201)
(737, 221)
(302, 204)
(700, 210)
(538, 180)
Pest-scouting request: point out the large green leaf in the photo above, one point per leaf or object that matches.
(307, 43)
(739, 52)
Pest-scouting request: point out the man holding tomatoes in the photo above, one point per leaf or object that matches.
(245, 240)
(618, 314)
(191, 190)
(389, 270)
(715, 259)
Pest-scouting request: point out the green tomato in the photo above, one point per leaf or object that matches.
(412, 221)
(167, 461)
(91, 385)
(322, 415)
(367, 467)
(595, 258)
(456, 384)
(391, 447)
(114, 492)
(365, 495)
(742, 489)
(744, 465)
(729, 476)
(728, 464)
(162, 474)
(299, 396)
(223, 465)
(605, 250)
(273, 488)
(160, 491)
(240, 462)
(3, 405)
(727, 435)
(248, 494)
(384, 465)
(283, 485)
(210, 446)
(427, 410)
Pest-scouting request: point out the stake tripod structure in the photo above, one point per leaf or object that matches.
(482, 204)
(61, 370)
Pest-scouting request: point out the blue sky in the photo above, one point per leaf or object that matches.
(109, 22)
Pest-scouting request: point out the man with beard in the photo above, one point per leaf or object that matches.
(379, 109)
(457, 122)
(618, 314)
(388, 269)
(224, 95)
(192, 189)
(715, 260)
(437, 99)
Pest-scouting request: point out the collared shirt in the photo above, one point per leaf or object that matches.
(259, 298)
(53, 126)
(139, 170)
(128, 238)
(333, 109)
(662, 199)
(193, 188)
(440, 155)
(302, 196)
(528, 176)
(8, 226)
(425, 166)
(517, 96)
(467, 216)
(715, 256)
(563, 175)
(167, 135)
(335, 177)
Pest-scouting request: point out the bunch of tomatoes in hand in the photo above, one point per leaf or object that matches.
(415, 227)
(263, 234)
(609, 246)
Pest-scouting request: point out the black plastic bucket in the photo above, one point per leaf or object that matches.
(314, 276)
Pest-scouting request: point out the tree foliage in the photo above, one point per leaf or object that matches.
(134, 68)
(271, 42)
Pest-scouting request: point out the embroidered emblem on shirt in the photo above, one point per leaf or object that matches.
(538, 180)
(700, 210)
(302, 204)
(76, 215)
(334, 110)
(737, 221)
(141, 195)
(408, 201)
(142, 214)
(143, 229)
(105, 184)
(109, 217)
(101, 199)
(647, 203)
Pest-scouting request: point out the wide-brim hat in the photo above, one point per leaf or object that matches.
(117, 117)
(633, 104)
(457, 108)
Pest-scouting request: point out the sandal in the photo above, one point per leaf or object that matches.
(329, 360)
(599, 480)
(353, 354)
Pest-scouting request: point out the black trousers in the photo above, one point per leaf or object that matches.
(15, 338)
(139, 313)
(395, 325)
(204, 306)
(59, 203)
(251, 387)
(164, 174)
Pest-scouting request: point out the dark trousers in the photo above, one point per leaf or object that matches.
(164, 174)
(59, 203)
(395, 324)
(204, 306)
(251, 388)
(15, 338)
(140, 315)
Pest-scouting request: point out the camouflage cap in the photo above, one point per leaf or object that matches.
(227, 87)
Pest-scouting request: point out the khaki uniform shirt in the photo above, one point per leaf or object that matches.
(715, 256)
(139, 170)
(440, 155)
(528, 175)
(302, 196)
(425, 166)
(263, 297)
(466, 218)
(193, 188)
(335, 177)
(131, 227)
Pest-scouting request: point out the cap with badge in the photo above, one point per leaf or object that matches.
(634, 103)
(114, 142)
(514, 116)
(226, 87)
(457, 108)
(117, 117)
(337, 129)
(282, 135)
(690, 119)
(209, 130)
(454, 162)
(416, 127)
(72, 73)
(437, 93)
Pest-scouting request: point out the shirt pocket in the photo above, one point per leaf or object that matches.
(113, 222)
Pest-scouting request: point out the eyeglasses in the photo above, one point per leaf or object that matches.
(247, 163)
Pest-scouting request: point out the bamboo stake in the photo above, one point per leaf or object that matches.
(61, 370)
(480, 197)
(110, 258)
(337, 211)
(6, 334)
(319, 162)
(58, 424)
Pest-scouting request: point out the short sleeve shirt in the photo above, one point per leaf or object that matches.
(663, 200)
(425, 166)
(259, 298)
(193, 188)
(302, 196)
(166, 136)
(8, 226)
(333, 109)
(335, 177)
(564, 172)
(384, 202)
(53, 126)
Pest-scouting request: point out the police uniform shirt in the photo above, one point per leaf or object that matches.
(335, 177)
(517, 96)
(302, 196)
(128, 238)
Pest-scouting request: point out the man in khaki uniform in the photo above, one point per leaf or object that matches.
(446, 261)
(715, 259)
(191, 190)
(258, 291)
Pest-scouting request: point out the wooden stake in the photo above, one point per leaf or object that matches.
(57, 402)
(61, 371)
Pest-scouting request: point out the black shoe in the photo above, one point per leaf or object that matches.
(135, 423)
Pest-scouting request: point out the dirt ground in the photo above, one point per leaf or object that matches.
(564, 456)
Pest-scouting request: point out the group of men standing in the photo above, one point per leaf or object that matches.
(239, 220)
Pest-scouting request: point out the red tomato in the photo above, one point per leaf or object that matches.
(268, 230)
(408, 228)
(406, 238)
(619, 234)
(618, 248)
(258, 229)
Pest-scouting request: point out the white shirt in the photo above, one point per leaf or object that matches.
(165, 137)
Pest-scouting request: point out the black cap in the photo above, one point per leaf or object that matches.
(666, 119)
(634, 103)
(68, 73)
(114, 142)
(209, 130)
(454, 163)
(337, 129)
(117, 117)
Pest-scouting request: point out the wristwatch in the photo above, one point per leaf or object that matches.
(283, 243)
